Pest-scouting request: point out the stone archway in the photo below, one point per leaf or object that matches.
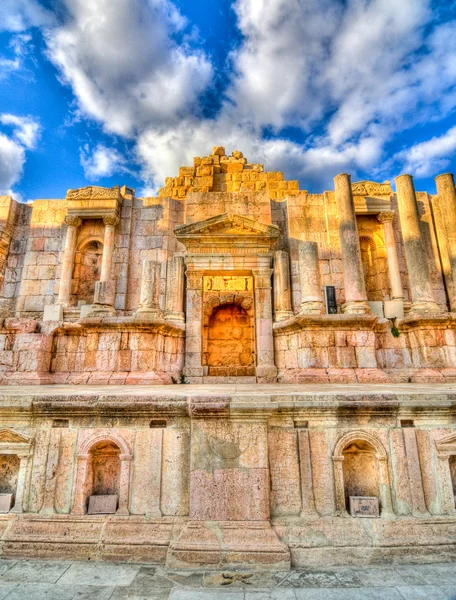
(360, 450)
(92, 472)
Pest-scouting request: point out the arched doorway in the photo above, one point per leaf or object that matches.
(230, 342)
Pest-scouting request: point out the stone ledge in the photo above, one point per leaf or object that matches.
(316, 322)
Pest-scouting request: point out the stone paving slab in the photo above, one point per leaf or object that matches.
(65, 580)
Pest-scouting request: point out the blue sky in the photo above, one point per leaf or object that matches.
(110, 92)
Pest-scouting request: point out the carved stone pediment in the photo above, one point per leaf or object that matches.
(94, 201)
(12, 442)
(371, 198)
(8, 436)
(228, 233)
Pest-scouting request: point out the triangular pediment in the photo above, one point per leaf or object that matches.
(228, 224)
(227, 233)
(8, 436)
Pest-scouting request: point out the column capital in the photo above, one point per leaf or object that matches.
(262, 277)
(194, 279)
(111, 220)
(73, 221)
(386, 216)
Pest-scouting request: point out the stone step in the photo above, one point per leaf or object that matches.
(238, 380)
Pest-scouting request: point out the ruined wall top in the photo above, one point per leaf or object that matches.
(221, 173)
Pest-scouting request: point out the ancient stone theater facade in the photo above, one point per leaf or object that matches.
(235, 279)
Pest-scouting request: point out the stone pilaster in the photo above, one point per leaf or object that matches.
(309, 277)
(355, 288)
(150, 290)
(394, 274)
(447, 200)
(414, 471)
(266, 370)
(20, 486)
(193, 368)
(415, 251)
(68, 259)
(305, 467)
(174, 308)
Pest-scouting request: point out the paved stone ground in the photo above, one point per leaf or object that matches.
(64, 580)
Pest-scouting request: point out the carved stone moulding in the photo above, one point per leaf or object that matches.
(94, 202)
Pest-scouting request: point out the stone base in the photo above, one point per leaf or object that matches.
(216, 544)
(424, 308)
(101, 310)
(266, 373)
(356, 307)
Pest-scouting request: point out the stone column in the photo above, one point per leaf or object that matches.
(355, 288)
(309, 277)
(447, 200)
(386, 218)
(68, 259)
(415, 251)
(124, 484)
(20, 486)
(110, 222)
(174, 308)
(193, 368)
(266, 370)
(150, 290)
(282, 291)
(105, 288)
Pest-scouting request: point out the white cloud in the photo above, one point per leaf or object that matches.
(24, 134)
(101, 161)
(20, 45)
(26, 130)
(19, 15)
(429, 157)
(320, 65)
(12, 159)
(122, 63)
(348, 73)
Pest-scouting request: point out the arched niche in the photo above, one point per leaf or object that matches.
(105, 463)
(361, 469)
(15, 449)
(446, 452)
(87, 268)
(229, 341)
(103, 467)
(374, 265)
